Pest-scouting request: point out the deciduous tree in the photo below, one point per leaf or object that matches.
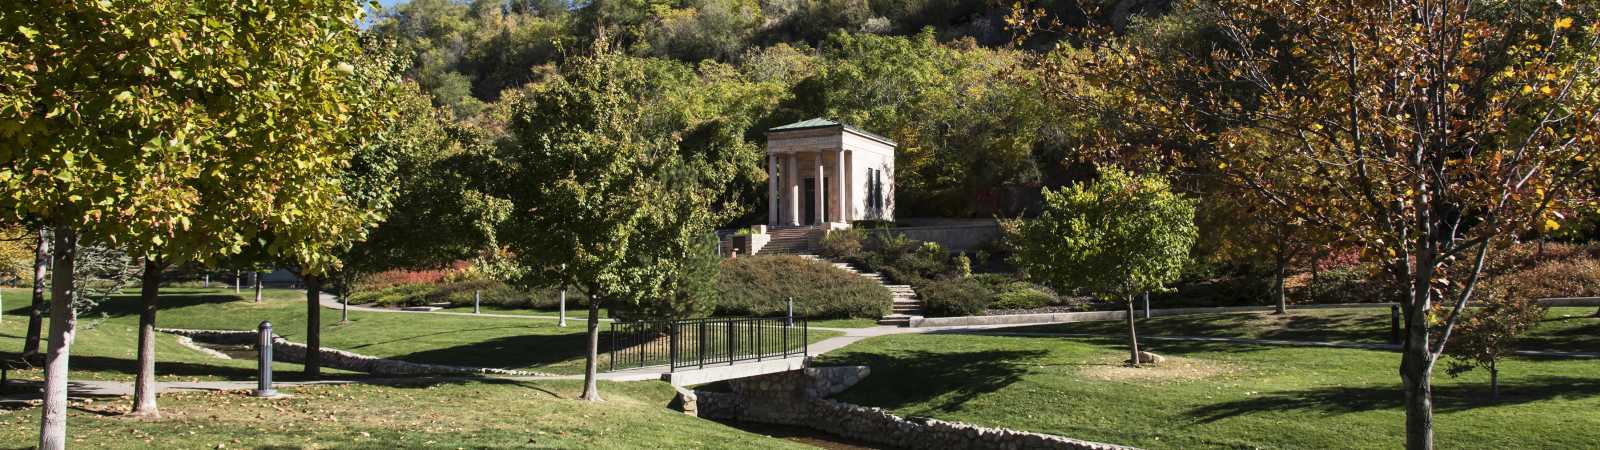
(1117, 236)
(1486, 334)
(605, 200)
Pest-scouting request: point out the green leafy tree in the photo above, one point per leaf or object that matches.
(1486, 335)
(144, 125)
(1117, 236)
(606, 202)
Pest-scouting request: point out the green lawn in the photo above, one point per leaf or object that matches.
(105, 347)
(1563, 329)
(477, 414)
(1212, 395)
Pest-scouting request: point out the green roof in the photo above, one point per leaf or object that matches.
(816, 123)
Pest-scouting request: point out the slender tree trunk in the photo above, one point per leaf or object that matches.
(1278, 289)
(1416, 361)
(63, 326)
(1133, 337)
(144, 385)
(41, 266)
(313, 361)
(591, 389)
(258, 287)
(344, 299)
(1494, 381)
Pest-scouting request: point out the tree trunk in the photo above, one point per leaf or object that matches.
(591, 389)
(1416, 374)
(1494, 382)
(1133, 337)
(63, 324)
(1283, 297)
(258, 287)
(144, 385)
(344, 299)
(41, 266)
(313, 361)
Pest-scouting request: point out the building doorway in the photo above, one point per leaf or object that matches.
(811, 200)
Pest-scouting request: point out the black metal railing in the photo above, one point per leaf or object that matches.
(697, 343)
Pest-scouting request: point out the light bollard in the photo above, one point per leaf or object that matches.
(563, 320)
(1394, 324)
(477, 296)
(264, 361)
(1147, 304)
(788, 318)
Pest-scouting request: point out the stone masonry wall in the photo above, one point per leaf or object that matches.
(286, 351)
(799, 398)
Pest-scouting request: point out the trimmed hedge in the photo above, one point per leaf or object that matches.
(759, 286)
(955, 297)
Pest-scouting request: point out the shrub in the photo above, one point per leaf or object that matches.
(1352, 284)
(842, 244)
(955, 297)
(1568, 278)
(1025, 298)
(759, 286)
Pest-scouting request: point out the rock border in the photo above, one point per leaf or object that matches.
(798, 398)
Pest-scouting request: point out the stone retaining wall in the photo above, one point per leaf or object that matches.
(1091, 316)
(798, 398)
(287, 351)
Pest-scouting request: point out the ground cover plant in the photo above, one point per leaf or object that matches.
(760, 286)
(1210, 395)
(473, 414)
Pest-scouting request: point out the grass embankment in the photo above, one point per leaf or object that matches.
(477, 414)
(1211, 395)
(105, 346)
(1563, 329)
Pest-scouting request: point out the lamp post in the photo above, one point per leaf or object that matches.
(264, 361)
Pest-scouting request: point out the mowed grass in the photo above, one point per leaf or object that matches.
(474, 414)
(1570, 329)
(108, 333)
(1211, 395)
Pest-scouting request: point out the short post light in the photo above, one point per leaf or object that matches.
(563, 319)
(789, 318)
(264, 361)
(1394, 324)
(477, 297)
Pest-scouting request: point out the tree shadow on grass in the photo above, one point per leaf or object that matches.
(130, 305)
(952, 377)
(1345, 399)
(524, 351)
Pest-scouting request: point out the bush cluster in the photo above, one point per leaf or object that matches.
(955, 297)
(759, 286)
(1362, 283)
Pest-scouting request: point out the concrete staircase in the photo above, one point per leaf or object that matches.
(790, 241)
(906, 303)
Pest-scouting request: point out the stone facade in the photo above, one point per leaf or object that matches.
(799, 398)
(286, 351)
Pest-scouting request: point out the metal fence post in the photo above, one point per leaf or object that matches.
(703, 344)
(805, 338)
(672, 348)
(264, 361)
(733, 339)
(612, 340)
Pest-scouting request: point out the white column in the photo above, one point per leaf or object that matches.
(822, 197)
(792, 180)
(840, 193)
(772, 190)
